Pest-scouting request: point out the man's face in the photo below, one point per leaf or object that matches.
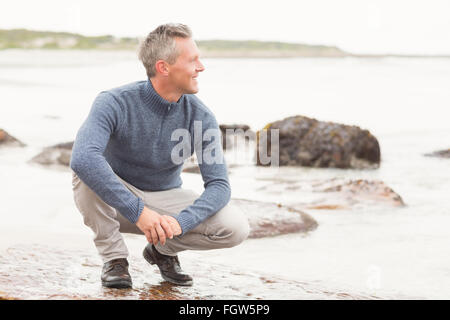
(184, 72)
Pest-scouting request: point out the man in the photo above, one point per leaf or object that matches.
(125, 178)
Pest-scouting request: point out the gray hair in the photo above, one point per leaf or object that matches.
(160, 45)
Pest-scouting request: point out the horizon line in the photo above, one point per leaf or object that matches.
(365, 54)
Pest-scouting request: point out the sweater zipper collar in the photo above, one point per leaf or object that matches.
(158, 104)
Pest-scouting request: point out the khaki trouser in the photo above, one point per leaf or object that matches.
(226, 228)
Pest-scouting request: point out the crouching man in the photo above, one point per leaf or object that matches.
(126, 168)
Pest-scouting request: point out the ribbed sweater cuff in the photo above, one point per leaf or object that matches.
(185, 223)
(134, 210)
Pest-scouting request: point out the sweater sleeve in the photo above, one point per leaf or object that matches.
(217, 190)
(89, 163)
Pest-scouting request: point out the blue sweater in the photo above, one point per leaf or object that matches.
(128, 133)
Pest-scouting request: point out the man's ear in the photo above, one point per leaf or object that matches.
(161, 67)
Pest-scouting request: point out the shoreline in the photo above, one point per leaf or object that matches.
(243, 55)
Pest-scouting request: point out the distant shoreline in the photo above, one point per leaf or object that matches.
(232, 55)
(252, 55)
(46, 40)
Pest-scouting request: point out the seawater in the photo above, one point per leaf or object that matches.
(391, 252)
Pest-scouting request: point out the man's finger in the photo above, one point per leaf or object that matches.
(154, 236)
(167, 228)
(148, 236)
(161, 234)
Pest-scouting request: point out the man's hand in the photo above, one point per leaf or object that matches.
(176, 228)
(154, 226)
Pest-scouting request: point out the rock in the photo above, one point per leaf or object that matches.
(191, 168)
(308, 142)
(270, 219)
(49, 272)
(233, 134)
(439, 154)
(190, 165)
(337, 193)
(8, 140)
(354, 192)
(59, 154)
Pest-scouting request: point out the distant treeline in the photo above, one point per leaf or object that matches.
(27, 39)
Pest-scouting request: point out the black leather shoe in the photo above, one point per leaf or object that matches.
(115, 274)
(169, 266)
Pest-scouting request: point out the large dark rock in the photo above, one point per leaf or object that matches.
(439, 154)
(308, 142)
(7, 140)
(233, 133)
(58, 154)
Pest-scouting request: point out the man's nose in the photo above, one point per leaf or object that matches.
(200, 67)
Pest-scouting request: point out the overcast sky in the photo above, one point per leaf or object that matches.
(360, 26)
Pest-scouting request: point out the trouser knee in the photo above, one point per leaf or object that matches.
(238, 235)
(231, 227)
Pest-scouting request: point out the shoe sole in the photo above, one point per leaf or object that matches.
(148, 258)
(119, 284)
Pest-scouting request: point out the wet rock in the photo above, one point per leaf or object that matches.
(308, 142)
(360, 191)
(7, 140)
(439, 154)
(48, 272)
(270, 219)
(58, 154)
(337, 193)
(191, 168)
(190, 165)
(234, 134)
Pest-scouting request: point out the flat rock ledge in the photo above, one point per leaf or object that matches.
(46, 272)
(271, 219)
(335, 193)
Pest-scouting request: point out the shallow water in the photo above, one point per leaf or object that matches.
(388, 252)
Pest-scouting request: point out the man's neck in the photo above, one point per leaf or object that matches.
(165, 91)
